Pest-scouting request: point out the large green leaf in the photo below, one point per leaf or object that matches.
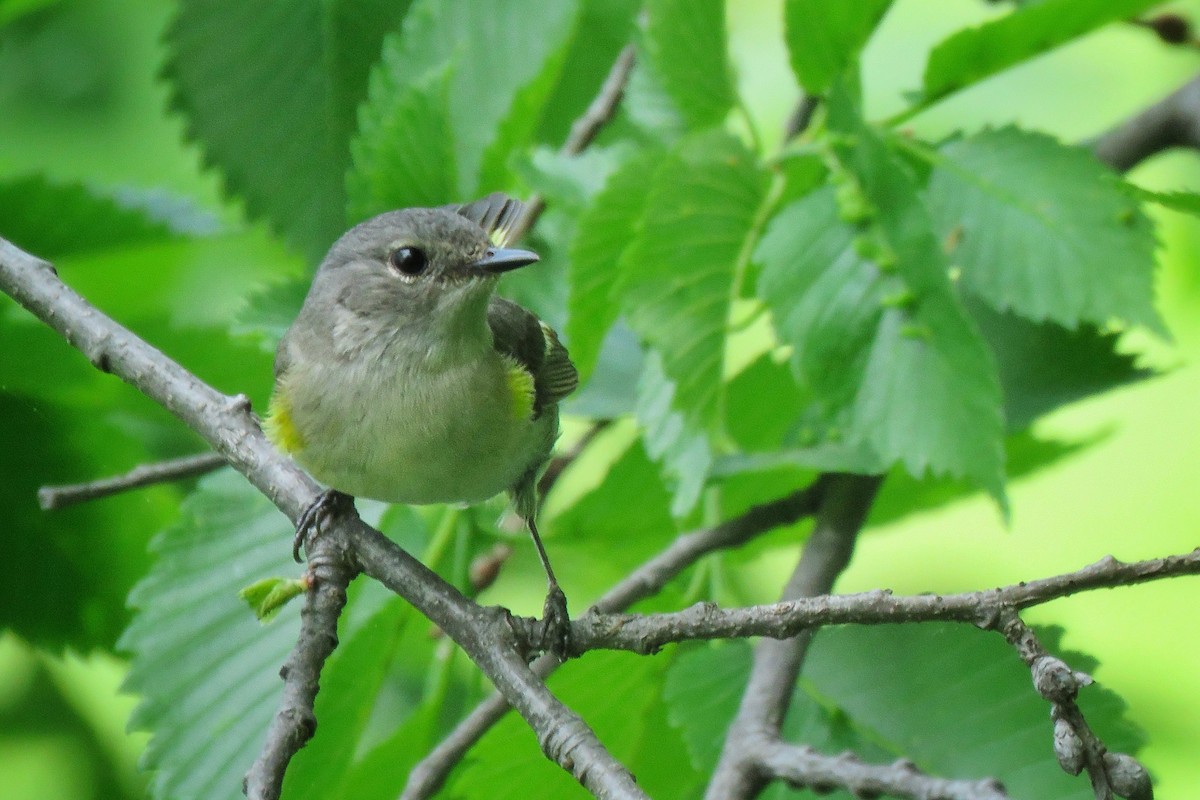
(1043, 229)
(958, 702)
(604, 230)
(685, 42)
(269, 91)
(206, 670)
(824, 38)
(887, 355)
(671, 439)
(497, 67)
(680, 275)
(972, 54)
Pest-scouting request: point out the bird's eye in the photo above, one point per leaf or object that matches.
(408, 261)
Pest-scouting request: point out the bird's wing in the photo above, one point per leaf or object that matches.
(498, 214)
(531, 343)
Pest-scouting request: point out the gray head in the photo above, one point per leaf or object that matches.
(419, 269)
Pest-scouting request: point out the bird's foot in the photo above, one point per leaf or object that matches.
(556, 623)
(308, 527)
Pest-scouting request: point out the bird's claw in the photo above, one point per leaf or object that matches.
(556, 623)
(308, 527)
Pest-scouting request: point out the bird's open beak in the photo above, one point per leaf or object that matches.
(499, 259)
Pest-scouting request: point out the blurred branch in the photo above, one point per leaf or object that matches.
(803, 768)
(585, 129)
(229, 427)
(648, 579)
(176, 469)
(1173, 121)
(843, 509)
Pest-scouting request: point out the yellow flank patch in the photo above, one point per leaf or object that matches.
(279, 426)
(520, 390)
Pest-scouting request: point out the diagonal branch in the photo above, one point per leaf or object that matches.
(648, 579)
(1173, 121)
(175, 469)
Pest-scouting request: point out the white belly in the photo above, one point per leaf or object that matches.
(449, 436)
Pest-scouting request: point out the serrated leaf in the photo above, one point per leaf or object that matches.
(404, 153)
(972, 54)
(958, 702)
(270, 311)
(685, 41)
(205, 669)
(1044, 366)
(1043, 229)
(273, 105)
(824, 38)
(679, 277)
(605, 229)
(1183, 202)
(682, 449)
(930, 401)
(498, 68)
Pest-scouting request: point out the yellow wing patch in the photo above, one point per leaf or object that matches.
(279, 426)
(520, 389)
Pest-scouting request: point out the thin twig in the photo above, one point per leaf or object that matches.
(585, 128)
(175, 469)
(648, 579)
(759, 718)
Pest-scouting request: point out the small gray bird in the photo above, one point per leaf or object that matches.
(405, 379)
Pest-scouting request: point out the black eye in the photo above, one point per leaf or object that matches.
(408, 260)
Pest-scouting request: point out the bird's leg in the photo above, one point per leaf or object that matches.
(556, 621)
(308, 527)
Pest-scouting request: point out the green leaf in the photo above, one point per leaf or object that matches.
(1044, 366)
(1043, 229)
(605, 229)
(972, 54)
(267, 596)
(824, 38)
(52, 220)
(680, 275)
(892, 682)
(1183, 202)
(404, 153)
(497, 69)
(273, 106)
(682, 449)
(685, 42)
(205, 669)
(270, 311)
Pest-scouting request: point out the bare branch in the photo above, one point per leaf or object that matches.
(329, 573)
(648, 579)
(585, 129)
(646, 634)
(176, 469)
(843, 508)
(1173, 121)
(804, 768)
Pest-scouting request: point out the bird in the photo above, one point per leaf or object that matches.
(406, 379)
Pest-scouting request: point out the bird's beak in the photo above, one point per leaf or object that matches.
(499, 259)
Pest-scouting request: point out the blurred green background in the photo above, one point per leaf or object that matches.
(79, 100)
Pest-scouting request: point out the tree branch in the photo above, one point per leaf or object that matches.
(648, 579)
(176, 469)
(1173, 121)
(226, 423)
(777, 663)
(804, 768)
(647, 634)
